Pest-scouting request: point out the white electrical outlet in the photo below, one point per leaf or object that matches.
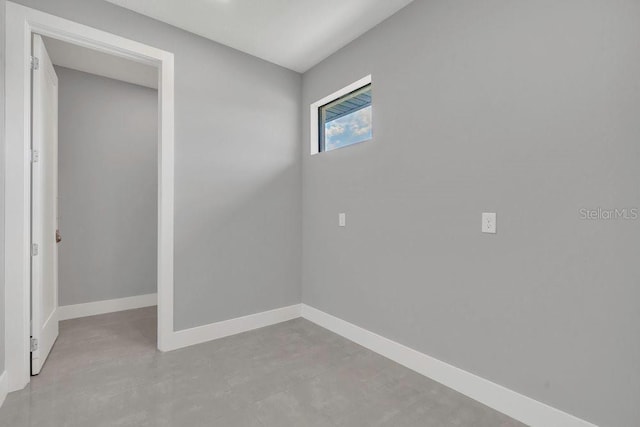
(342, 219)
(489, 222)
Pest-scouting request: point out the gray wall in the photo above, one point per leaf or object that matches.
(108, 183)
(2, 325)
(237, 169)
(527, 109)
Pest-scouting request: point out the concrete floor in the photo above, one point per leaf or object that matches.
(104, 371)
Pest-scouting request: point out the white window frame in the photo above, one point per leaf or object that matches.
(313, 110)
(21, 23)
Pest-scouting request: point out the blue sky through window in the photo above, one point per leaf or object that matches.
(348, 130)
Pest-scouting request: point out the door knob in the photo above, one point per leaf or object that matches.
(58, 236)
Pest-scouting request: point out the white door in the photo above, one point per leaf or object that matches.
(44, 208)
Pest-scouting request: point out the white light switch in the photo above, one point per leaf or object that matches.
(489, 222)
(342, 219)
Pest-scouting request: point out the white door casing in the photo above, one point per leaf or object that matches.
(21, 22)
(44, 207)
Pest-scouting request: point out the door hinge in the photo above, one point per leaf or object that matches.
(35, 63)
(34, 249)
(35, 156)
(34, 344)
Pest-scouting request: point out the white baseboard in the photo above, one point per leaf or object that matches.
(66, 312)
(502, 399)
(4, 387)
(229, 327)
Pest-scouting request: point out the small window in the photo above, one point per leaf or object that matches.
(343, 118)
(345, 121)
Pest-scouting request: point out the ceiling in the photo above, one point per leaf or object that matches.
(296, 34)
(92, 61)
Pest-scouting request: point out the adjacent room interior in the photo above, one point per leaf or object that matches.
(106, 201)
(342, 213)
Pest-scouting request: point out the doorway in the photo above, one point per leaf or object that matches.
(22, 24)
(95, 221)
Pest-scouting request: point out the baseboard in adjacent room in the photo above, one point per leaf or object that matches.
(212, 331)
(4, 387)
(517, 406)
(74, 311)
